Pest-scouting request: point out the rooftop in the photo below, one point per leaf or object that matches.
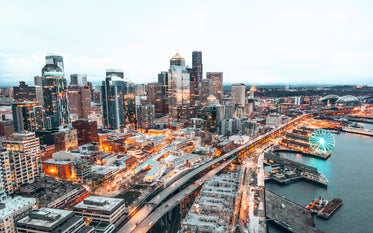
(46, 217)
(14, 204)
(99, 203)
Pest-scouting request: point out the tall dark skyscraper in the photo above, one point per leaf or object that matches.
(217, 83)
(196, 74)
(55, 91)
(118, 101)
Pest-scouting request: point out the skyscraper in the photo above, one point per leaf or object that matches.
(178, 87)
(155, 97)
(238, 94)
(79, 96)
(78, 80)
(177, 60)
(145, 116)
(196, 74)
(55, 91)
(217, 82)
(28, 116)
(23, 157)
(118, 101)
(207, 90)
(25, 92)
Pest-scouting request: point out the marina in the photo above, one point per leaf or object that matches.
(353, 154)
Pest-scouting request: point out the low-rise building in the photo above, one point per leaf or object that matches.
(52, 220)
(96, 210)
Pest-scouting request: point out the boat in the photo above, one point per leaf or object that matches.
(316, 205)
(329, 208)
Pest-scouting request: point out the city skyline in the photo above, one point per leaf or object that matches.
(259, 43)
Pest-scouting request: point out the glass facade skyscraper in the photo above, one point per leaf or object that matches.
(217, 83)
(196, 74)
(118, 102)
(55, 91)
(178, 88)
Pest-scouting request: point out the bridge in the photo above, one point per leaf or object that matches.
(144, 219)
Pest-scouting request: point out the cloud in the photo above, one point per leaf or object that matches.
(250, 41)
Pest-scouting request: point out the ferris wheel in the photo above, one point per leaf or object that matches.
(322, 141)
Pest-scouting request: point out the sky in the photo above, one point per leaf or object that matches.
(251, 41)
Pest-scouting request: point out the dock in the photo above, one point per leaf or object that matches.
(363, 119)
(358, 131)
(296, 171)
(329, 208)
(290, 215)
(315, 155)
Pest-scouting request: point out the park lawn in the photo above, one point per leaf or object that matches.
(129, 197)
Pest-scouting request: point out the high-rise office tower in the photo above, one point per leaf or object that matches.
(24, 92)
(79, 94)
(207, 90)
(178, 87)
(217, 82)
(212, 117)
(78, 80)
(249, 108)
(238, 94)
(55, 91)
(196, 74)
(29, 116)
(118, 101)
(177, 60)
(86, 130)
(145, 116)
(155, 97)
(118, 73)
(163, 80)
(22, 157)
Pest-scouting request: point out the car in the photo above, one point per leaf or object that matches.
(184, 194)
(150, 223)
(166, 206)
(175, 201)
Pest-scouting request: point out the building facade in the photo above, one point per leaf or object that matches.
(25, 93)
(13, 209)
(238, 94)
(196, 75)
(86, 130)
(118, 102)
(145, 116)
(56, 102)
(29, 116)
(178, 87)
(45, 220)
(217, 83)
(21, 160)
(80, 101)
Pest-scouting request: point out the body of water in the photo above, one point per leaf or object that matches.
(350, 176)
